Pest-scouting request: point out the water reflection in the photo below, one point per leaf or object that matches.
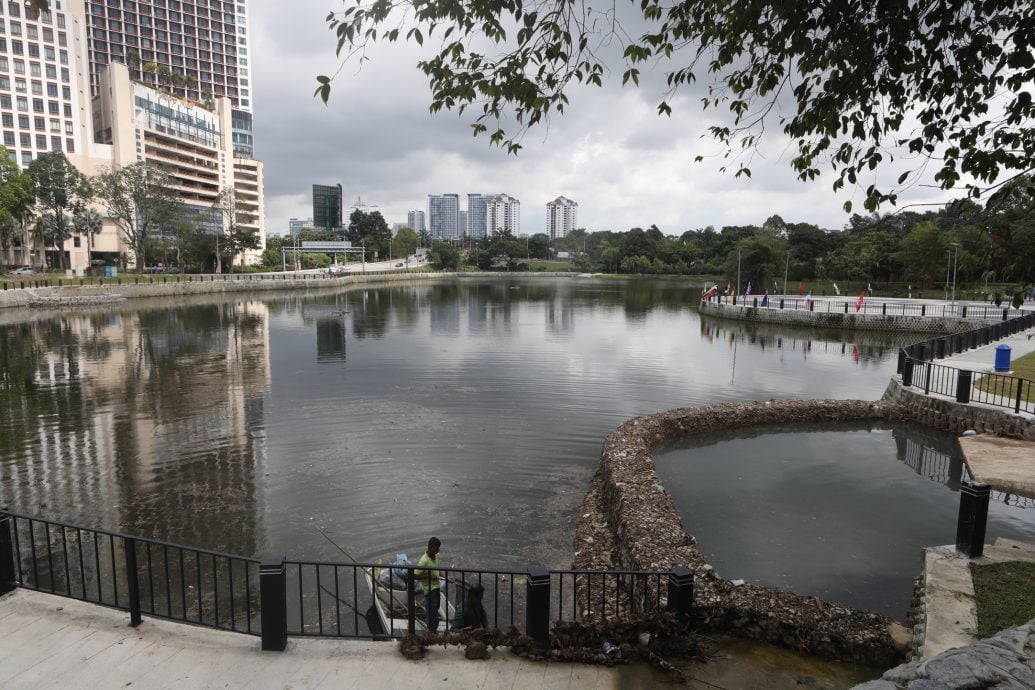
(139, 421)
(838, 511)
(472, 408)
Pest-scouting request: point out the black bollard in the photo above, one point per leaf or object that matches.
(964, 380)
(681, 593)
(537, 602)
(970, 527)
(273, 603)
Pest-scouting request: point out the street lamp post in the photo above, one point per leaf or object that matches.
(955, 253)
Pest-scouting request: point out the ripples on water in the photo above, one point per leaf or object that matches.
(473, 410)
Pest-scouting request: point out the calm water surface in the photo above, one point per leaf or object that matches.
(473, 410)
(841, 512)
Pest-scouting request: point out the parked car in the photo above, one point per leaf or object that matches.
(23, 271)
(338, 270)
(399, 265)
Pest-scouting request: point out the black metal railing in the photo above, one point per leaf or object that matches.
(141, 576)
(869, 306)
(966, 386)
(277, 597)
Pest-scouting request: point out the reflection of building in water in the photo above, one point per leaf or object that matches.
(156, 415)
(331, 332)
(560, 315)
(444, 310)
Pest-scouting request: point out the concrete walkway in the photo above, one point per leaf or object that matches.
(52, 642)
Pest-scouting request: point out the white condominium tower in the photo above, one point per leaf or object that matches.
(415, 219)
(504, 214)
(561, 217)
(478, 214)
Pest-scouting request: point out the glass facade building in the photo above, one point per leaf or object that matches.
(326, 206)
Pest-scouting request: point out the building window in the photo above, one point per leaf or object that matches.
(25, 139)
(8, 120)
(55, 126)
(70, 145)
(23, 121)
(8, 138)
(34, 69)
(5, 83)
(55, 143)
(68, 128)
(26, 157)
(77, 241)
(37, 105)
(52, 90)
(40, 124)
(41, 142)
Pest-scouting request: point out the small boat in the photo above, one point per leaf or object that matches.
(390, 603)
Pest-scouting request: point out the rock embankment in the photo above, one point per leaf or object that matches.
(629, 521)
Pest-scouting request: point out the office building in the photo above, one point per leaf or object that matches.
(415, 219)
(461, 223)
(561, 217)
(478, 215)
(444, 216)
(195, 49)
(327, 204)
(297, 225)
(504, 215)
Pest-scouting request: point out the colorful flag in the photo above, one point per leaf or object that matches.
(728, 287)
(710, 292)
(859, 302)
(808, 301)
(765, 299)
(801, 288)
(748, 291)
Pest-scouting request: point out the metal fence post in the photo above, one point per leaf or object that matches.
(1017, 401)
(411, 603)
(681, 593)
(537, 601)
(964, 379)
(8, 578)
(927, 378)
(907, 372)
(273, 603)
(901, 362)
(970, 527)
(132, 581)
(964, 311)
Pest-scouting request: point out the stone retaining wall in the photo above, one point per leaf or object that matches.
(959, 417)
(629, 521)
(850, 321)
(74, 295)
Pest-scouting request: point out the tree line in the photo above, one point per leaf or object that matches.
(50, 201)
(993, 243)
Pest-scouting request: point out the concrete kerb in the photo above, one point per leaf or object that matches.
(629, 521)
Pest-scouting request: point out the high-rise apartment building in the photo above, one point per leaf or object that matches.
(197, 49)
(416, 221)
(461, 224)
(561, 217)
(504, 213)
(327, 205)
(478, 214)
(444, 216)
(47, 66)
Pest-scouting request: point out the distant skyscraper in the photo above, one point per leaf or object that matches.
(415, 219)
(504, 213)
(326, 206)
(478, 214)
(444, 216)
(297, 225)
(461, 223)
(561, 217)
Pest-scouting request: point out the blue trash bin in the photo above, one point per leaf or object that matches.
(1002, 358)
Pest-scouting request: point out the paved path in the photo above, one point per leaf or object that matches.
(52, 642)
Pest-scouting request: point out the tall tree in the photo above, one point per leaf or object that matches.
(949, 81)
(139, 198)
(61, 191)
(15, 202)
(405, 242)
(239, 230)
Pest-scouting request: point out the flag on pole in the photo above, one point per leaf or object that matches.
(765, 299)
(808, 301)
(801, 288)
(728, 287)
(710, 292)
(859, 302)
(837, 290)
(748, 291)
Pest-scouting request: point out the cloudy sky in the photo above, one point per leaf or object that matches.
(611, 152)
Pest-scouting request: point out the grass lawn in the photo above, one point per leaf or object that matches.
(1005, 595)
(1023, 367)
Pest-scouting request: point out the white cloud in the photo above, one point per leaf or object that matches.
(611, 152)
